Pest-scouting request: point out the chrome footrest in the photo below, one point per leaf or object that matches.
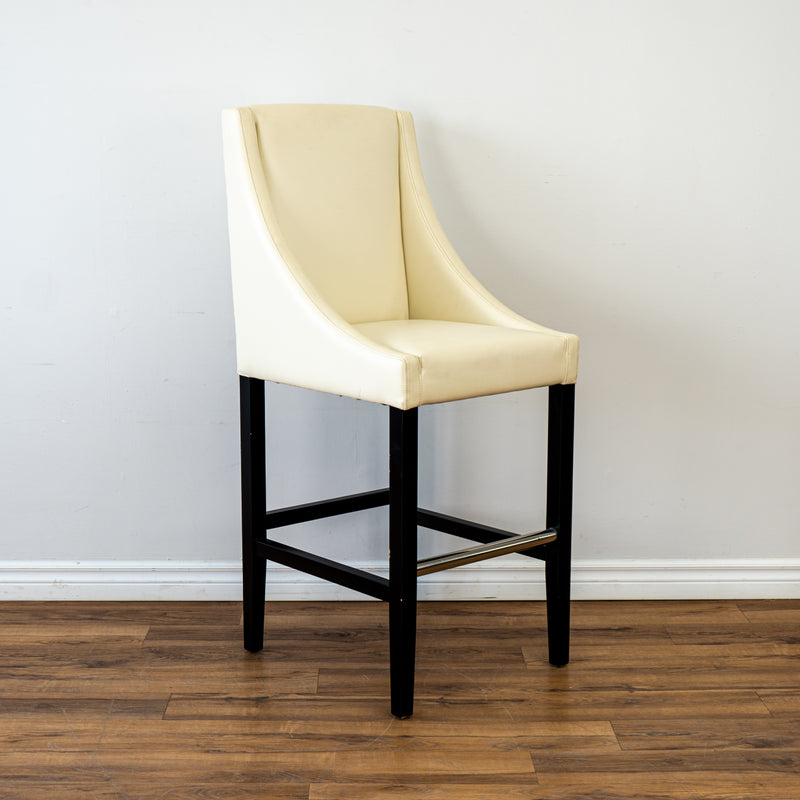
(483, 551)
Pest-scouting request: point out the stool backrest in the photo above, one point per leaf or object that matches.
(333, 181)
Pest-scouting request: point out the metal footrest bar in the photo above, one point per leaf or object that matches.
(484, 551)
(356, 579)
(466, 529)
(326, 508)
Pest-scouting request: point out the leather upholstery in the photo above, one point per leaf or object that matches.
(343, 279)
(340, 215)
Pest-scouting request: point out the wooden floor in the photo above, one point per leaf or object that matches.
(677, 700)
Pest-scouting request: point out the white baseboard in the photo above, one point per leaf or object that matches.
(504, 579)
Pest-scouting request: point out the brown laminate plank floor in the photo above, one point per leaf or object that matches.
(661, 701)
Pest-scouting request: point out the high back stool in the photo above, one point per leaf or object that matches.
(344, 282)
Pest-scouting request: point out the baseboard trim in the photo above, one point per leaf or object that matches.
(505, 579)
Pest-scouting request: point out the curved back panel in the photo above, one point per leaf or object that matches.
(332, 176)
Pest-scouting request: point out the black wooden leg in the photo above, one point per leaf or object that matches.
(560, 437)
(254, 507)
(402, 557)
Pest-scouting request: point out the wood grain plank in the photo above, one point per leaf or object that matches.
(765, 634)
(146, 674)
(144, 706)
(684, 761)
(599, 786)
(664, 612)
(149, 765)
(662, 701)
(107, 788)
(415, 764)
(760, 734)
(44, 633)
(422, 791)
(146, 613)
(650, 784)
(95, 786)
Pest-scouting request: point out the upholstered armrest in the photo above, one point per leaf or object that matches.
(439, 284)
(285, 331)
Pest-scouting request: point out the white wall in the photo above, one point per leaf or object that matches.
(626, 170)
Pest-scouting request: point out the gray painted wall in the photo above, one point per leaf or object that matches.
(625, 170)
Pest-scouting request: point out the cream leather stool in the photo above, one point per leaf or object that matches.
(344, 282)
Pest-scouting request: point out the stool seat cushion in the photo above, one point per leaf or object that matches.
(456, 360)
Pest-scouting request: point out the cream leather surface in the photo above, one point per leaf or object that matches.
(333, 181)
(456, 357)
(343, 279)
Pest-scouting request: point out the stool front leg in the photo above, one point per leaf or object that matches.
(560, 439)
(254, 509)
(402, 557)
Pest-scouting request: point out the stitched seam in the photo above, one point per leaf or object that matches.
(400, 209)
